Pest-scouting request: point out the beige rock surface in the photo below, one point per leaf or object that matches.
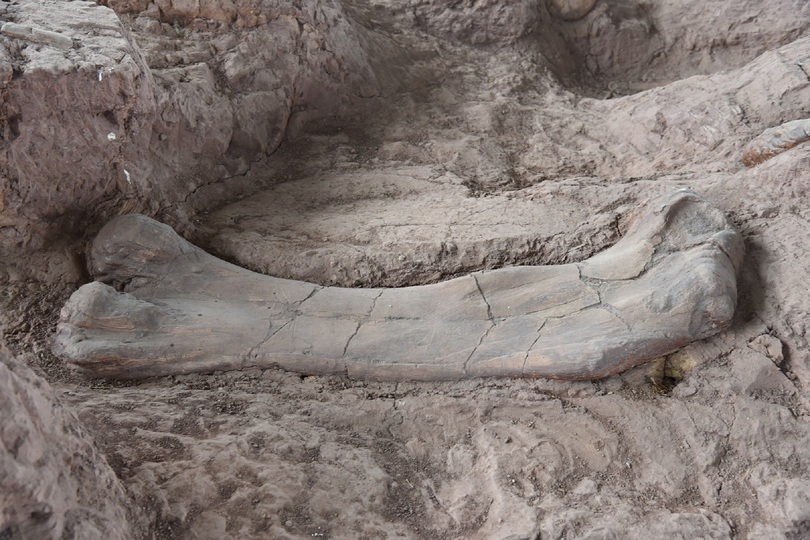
(54, 483)
(451, 138)
(111, 123)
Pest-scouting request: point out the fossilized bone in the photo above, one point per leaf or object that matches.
(36, 35)
(163, 306)
(775, 140)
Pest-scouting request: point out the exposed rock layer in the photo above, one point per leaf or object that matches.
(54, 483)
(775, 140)
(95, 128)
(468, 98)
(140, 113)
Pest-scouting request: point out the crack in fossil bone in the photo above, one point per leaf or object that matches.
(270, 333)
(484, 298)
(360, 323)
(529, 350)
(480, 341)
(351, 337)
(616, 313)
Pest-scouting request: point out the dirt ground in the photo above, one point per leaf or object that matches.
(456, 136)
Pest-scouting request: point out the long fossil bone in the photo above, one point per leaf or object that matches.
(161, 306)
(773, 141)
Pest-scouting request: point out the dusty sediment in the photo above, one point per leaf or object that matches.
(54, 483)
(141, 132)
(174, 108)
(382, 144)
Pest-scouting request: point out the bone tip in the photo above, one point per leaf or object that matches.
(128, 243)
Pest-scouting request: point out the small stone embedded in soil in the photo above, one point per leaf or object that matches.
(769, 346)
(571, 10)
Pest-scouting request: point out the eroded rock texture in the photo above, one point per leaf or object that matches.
(54, 483)
(452, 137)
(74, 119)
(102, 124)
(176, 106)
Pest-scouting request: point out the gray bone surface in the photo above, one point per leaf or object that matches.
(162, 306)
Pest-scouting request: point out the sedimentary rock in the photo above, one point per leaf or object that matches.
(774, 141)
(570, 10)
(76, 113)
(162, 306)
(54, 483)
(92, 118)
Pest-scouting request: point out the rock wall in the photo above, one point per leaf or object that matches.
(635, 44)
(72, 119)
(96, 122)
(54, 483)
(622, 46)
(135, 105)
